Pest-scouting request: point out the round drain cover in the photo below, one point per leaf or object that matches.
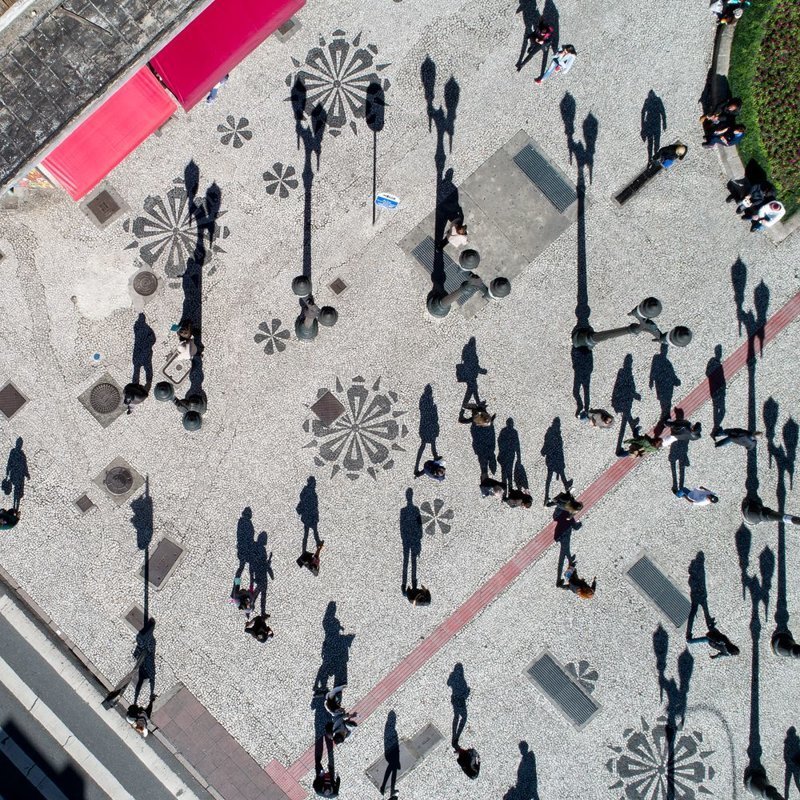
(118, 480)
(105, 398)
(145, 283)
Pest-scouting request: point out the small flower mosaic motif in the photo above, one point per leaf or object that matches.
(642, 765)
(336, 76)
(236, 133)
(583, 674)
(436, 516)
(273, 335)
(280, 179)
(169, 232)
(362, 439)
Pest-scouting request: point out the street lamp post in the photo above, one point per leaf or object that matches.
(644, 313)
(783, 644)
(306, 327)
(755, 512)
(439, 304)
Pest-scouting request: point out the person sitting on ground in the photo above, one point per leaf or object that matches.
(418, 596)
(311, 560)
(642, 444)
(740, 436)
(9, 517)
(681, 430)
(565, 502)
(326, 783)
(724, 110)
(571, 582)
(456, 234)
(490, 487)
(759, 194)
(243, 598)
(727, 136)
(718, 641)
(257, 627)
(668, 155)
(767, 215)
(597, 418)
(699, 496)
(518, 498)
(434, 468)
(731, 15)
(469, 760)
(480, 416)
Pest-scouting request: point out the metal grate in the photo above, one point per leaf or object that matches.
(425, 252)
(118, 480)
(145, 283)
(162, 562)
(103, 207)
(660, 590)
(84, 503)
(11, 400)
(570, 699)
(105, 398)
(328, 408)
(561, 194)
(337, 286)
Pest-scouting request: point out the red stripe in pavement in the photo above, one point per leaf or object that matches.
(492, 588)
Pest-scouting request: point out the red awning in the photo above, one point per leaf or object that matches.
(212, 44)
(117, 128)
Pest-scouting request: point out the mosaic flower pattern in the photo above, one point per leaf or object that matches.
(273, 335)
(363, 438)
(436, 516)
(235, 132)
(166, 235)
(642, 764)
(583, 673)
(280, 179)
(336, 76)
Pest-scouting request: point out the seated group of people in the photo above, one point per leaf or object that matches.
(728, 11)
(720, 126)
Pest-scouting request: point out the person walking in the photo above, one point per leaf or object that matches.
(333, 699)
(139, 718)
(434, 468)
(326, 783)
(562, 62)
(740, 436)
(597, 418)
(243, 598)
(9, 517)
(480, 416)
(469, 760)
(565, 502)
(573, 583)
(456, 234)
(341, 726)
(257, 627)
(718, 642)
(699, 496)
(669, 154)
(518, 498)
(681, 430)
(418, 595)
(311, 560)
(490, 487)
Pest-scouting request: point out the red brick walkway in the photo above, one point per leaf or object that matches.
(607, 481)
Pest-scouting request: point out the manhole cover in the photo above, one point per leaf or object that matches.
(105, 398)
(145, 283)
(118, 480)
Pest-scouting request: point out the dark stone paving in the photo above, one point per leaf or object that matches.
(54, 65)
(211, 750)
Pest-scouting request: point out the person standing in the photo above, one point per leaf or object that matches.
(456, 234)
(740, 436)
(434, 468)
(571, 582)
(9, 517)
(562, 62)
(565, 502)
(518, 498)
(718, 642)
(257, 627)
(469, 760)
(311, 560)
(668, 155)
(490, 487)
(681, 430)
(480, 416)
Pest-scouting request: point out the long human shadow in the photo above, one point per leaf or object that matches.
(261, 570)
(562, 534)
(653, 122)
(391, 752)
(527, 785)
(332, 672)
(245, 541)
(459, 693)
(428, 425)
(16, 473)
(142, 521)
(698, 594)
(468, 372)
(205, 214)
(530, 19)
(783, 456)
(757, 587)
(411, 539)
(509, 456)
(144, 338)
(678, 462)
(308, 511)
(791, 758)
(443, 119)
(677, 697)
(663, 379)
(623, 396)
(583, 154)
(554, 460)
(716, 387)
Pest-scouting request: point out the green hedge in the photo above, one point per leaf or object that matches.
(765, 73)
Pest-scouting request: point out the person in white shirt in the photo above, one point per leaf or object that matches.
(700, 496)
(456, 234)
(562, 62)
(767, 215)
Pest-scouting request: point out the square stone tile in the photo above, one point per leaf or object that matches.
(287, 30)
(328, 408)
(85, 504)
(103, 400)
(135, 618)
(337, 286)
(103, 206)
(11, 400)
(120, 475)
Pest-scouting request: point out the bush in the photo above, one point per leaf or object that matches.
(765, 73)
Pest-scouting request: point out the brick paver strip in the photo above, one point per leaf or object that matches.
(483, 596)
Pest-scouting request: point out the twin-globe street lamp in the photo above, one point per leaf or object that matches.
(306, 326)
(438, 305)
